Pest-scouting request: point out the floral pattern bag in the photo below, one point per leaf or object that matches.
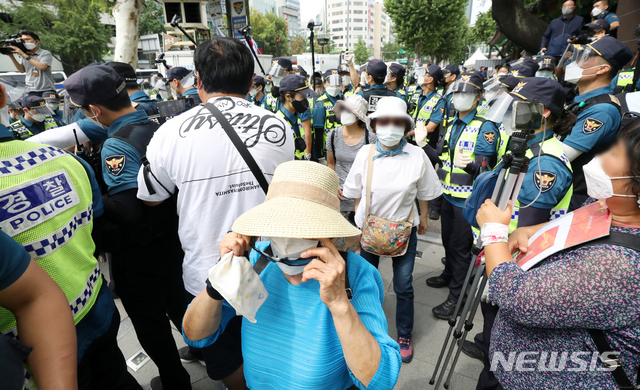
(381, 236)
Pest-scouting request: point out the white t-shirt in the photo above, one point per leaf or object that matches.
(193, 152)
(397, 181)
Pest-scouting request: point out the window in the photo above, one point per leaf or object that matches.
(192, 13)
(359, 12)
(358, 3)
(173, 9)
(337, 13)
(358, 28)
(383, 23)
(336, 29)
(341, 45)
(358, 20)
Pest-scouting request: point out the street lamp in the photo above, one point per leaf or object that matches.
(323, 42)
(311, 25)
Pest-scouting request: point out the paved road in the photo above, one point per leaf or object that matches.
(428, 333)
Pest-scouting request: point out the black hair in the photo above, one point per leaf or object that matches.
(562, 126)
(283, 95)
(379, 80)
(29, 33)
(224, 65)
(630, 136)
(120, 102)
(362, 125)
(263, 83)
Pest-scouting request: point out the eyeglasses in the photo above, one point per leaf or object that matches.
(293, 261)
(394, 121)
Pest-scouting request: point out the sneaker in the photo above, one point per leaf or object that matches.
(188, 357)
(406, 348)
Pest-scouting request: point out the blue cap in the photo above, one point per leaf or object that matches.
(452, 69)
(547, 62)
(177, 72)
(283, 62)
(470, 82)
(328, 73)
(615, 52)
(436, 72)
(301, 71)
(259, 80)
(93, 84)
(509, 81)
(294, 83)
(344, 68)
(546, 91)
(397, 69)
(377, 69)
(597, 25)
(125, 71)
(50, 96)
(524, 67)
(32, 101)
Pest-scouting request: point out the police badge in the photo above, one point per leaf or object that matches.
(115, 164)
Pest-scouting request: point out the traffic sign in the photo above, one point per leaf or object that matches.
(277, 39)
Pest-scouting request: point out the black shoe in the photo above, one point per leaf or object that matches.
(470, 349)
(437, 282)
(445, 310)
(444, 261)
(156, 383)
(434, 214)
(188, 357)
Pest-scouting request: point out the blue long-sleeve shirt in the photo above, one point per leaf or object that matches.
(557, 33)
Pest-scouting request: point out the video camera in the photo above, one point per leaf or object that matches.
(246, 30)
(12, 40)
(160, 60)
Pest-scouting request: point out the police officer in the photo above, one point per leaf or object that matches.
(280, 67)
(15, 111)
(624, 81)
(375, 75)
(183, 85)
(48, 203)
(412, 87)
(257, 95)
(524, 67)
(428, 107)
(395, 79)
(139, 99)
(547, 67)
(347, 85)
(597, 111)
(52, 101)
(546, 188)
(601, 11)
(37, 118)
(294, 101)
(470, 144)
(324, 119)
(146, 253)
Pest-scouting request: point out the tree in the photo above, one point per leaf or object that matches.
(361, 51)
(299, 44)
(74, 38)
(484, 28)
(151, 19)
(127, 14)
(428, 26)
(267, 28)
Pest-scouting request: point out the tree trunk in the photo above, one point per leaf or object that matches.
(518, 24)
(419, 52)
(127, 13)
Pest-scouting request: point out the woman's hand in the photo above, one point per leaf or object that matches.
(340, 196)
(424, 223)
(328, 269)
(234, 242)
(489, 213)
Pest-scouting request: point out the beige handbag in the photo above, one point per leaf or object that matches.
(380, 236)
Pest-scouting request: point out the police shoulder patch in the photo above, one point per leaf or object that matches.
(490, 137)
(544, 180)
(115, 164)
(591, 125)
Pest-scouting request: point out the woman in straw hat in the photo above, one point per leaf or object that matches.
(308, 333)
(401, 173)
(345, 141)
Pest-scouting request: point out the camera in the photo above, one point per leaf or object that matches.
(312, 23)
(527, 116)
(12, 40)
(246, 30)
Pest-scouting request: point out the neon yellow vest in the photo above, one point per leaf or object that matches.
(21, 131)
(504, 142)
(46, 205)
(427, 108)
(330, 120)
(412, 89)
(625, 78)
(455, 181)
(271, 103)
(280, 114)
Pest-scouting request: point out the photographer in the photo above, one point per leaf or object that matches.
(36, 63)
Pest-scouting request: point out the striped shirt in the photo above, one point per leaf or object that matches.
(294, 343)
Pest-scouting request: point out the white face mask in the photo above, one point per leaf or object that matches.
(389, 135)
(291, 248)
(599, 185)
(347, 118)
(30, 45)
(463, 101)
(596, 11)
(94, 119)
(253, 92)
(53, 106)
(567, 11)
(544, 74)
(333, 91)
(346, 81)
(573, 73)
(38, 117)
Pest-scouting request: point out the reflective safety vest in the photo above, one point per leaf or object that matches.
(412, 89)
(427, 108)
(271, 103)
(624, 79)
(455, 181)
(330, 119)
(296, 134)
(504, 142)
(46, 205)
(21, 132)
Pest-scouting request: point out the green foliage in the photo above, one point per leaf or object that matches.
(434, 27)
(484, 28)
(361, 51)
(75, 38)
(266, 28)
(299, 44)
(151, 19)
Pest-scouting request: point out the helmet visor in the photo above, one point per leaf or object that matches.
(463, 86)
(277, 71)
(333, 80)
(496, 105)
(571, 54)
(41, 110)
(189, 80)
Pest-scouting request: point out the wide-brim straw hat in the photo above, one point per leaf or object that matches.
(302, 202)
(355, 104)
(390, 107)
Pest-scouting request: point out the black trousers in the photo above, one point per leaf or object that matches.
(436, 204)
(487, 380)
(457, 239)
(148, 279)
(103, 367)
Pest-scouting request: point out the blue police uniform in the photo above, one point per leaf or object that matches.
(34, 127)
(260, 102)
(609, 17)
(95, 133)
(57, 116)
(190, 92)
(319, 122)
(402, 95)
(77, 116)
(438, 110)
(378, 86)
(144, 102)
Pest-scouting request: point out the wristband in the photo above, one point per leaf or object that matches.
(213, 293)
(492, 233)
(27, 58)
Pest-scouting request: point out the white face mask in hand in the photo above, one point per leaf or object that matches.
(347, 118)
(389, 135)
(291, 248)
(599, 185)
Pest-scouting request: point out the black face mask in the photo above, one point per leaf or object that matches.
(275, 91)
(300, 105)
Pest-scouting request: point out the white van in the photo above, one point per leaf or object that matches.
(58, 76)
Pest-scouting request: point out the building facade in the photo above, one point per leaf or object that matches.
(349, 20)
(264, 6)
